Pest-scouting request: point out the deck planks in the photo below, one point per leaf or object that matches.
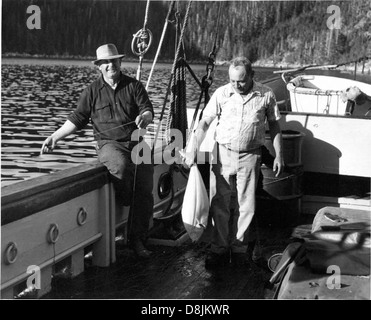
(173, 273)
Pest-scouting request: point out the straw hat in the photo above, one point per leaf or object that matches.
(107, 52)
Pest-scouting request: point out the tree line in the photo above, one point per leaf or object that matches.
(277, 32)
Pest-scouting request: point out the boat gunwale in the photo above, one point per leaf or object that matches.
(285, 112)
(27, 197)
(23, 199)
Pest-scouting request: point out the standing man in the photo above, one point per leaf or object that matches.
(242, 107)
(117, 105)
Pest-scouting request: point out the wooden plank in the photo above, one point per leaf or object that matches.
(104, 251)
(46, 280)
(77, 262)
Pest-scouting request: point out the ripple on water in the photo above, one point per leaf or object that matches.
(37, 98)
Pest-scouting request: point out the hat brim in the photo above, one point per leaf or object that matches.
(109, 58)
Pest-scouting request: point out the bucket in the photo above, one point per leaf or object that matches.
(292, 142)
(280, 197)
(287, 185)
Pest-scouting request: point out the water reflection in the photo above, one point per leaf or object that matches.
(38, 95)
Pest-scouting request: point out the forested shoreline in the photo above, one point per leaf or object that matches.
(268, 32)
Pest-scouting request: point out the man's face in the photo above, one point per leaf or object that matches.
(239, 79)
(110, 68)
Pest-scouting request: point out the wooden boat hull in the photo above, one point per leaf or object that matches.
(56, 217)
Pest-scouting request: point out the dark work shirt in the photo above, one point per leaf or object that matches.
(110, 109)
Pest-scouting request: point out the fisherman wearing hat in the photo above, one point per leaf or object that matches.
(117, 105)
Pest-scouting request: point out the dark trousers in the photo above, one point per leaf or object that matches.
(128, 177)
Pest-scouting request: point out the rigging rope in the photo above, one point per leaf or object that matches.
(181, 37)
(160, 44)
(177, 113)
(141, 42)
(207, 79)
(172, 72)
(146, 15)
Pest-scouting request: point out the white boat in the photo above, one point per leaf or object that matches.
(336, 153)
(50, 219)
(324, 95)
(336, 144)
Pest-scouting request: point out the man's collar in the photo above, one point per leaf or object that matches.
(255, 89)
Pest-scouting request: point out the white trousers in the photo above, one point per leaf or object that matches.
(234, 173)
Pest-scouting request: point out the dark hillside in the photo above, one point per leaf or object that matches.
(274, 32)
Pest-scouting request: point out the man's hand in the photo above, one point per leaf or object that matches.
(48, 145)
(188, 158)
(143, 120)
(189, 153)
(278, 165)
(50, 142)
(276, 136)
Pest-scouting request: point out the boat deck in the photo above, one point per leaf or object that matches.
(176, 272)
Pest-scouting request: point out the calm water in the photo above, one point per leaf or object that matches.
(37, 96)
